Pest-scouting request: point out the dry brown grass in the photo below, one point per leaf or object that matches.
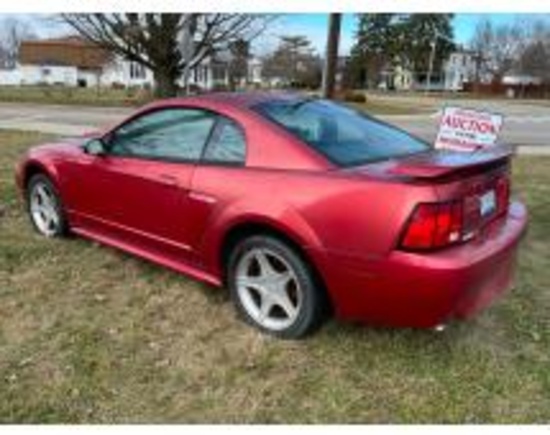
(89, 334)
(74, 95)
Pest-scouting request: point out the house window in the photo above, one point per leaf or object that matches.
(137, 71)
(218, 73)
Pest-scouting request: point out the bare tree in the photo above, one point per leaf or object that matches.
(294, 62)
(535, 58)
(12, 32)
(238, 65)
(498, 47)
(170, 45)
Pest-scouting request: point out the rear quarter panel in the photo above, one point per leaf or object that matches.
(321, 211)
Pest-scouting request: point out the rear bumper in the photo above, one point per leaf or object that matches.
(425, 290)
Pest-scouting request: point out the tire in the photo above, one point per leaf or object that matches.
(261, 271)
(45, 208)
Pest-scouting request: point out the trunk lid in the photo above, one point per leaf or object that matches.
(479, 180)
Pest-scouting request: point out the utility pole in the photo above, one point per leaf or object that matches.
(331, 58)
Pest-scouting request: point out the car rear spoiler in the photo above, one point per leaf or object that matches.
(444, 163)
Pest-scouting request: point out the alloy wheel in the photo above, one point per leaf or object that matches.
(268, 289)
(44, 209)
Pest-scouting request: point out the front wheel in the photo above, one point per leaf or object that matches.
(45, 208)
(274, 289)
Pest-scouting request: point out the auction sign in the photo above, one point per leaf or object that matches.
(467, 130)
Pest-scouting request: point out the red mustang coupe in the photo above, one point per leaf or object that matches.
(301, 207)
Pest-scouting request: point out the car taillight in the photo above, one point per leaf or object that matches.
(433, 225)
(503, 194)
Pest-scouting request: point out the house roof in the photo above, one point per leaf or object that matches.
(69, 51)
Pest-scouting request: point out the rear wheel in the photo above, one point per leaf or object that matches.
(274, 289)
(45, 208)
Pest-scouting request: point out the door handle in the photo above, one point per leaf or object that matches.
(167, 179)
(202, 197)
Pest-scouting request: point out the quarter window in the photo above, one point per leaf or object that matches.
(177, 134)
(347, 137)
(227, 144)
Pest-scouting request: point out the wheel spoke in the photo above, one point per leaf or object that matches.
(42, 193)
(283, 278)
(52, 215)
(283, 301)
(257, 283)
(36, 208)
(265, 307)
(266, 269)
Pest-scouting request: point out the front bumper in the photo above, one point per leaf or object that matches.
(425, 290)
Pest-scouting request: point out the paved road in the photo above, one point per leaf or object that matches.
(64, 120)
(525, 124)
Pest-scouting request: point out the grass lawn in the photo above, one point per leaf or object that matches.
(133, 97)
(396, 103)
(89, 334)
(389, 107)
(72, 95)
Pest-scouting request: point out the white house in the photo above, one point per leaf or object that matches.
(73, 61)
(459, 69)
(10, 77)
(255, 69)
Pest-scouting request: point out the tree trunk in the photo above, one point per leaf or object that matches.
(165, 84)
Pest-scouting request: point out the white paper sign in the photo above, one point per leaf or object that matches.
(467, 130)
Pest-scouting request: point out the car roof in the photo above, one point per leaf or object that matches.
(236, 99)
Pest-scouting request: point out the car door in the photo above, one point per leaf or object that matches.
(219, 178)
(138, 191)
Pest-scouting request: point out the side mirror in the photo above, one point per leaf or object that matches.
(95, 147)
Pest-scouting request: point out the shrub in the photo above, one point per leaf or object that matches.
(219, 87)
(354, 97)
(117, 86)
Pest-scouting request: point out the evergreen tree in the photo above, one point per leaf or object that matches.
(295, 62)
(422, 30)
(386, 40)
(375, 46)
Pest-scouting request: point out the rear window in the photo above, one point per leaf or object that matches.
(344, 135)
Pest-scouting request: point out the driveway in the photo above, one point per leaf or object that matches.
(526, 125)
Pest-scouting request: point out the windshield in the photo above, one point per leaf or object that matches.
(345, 136)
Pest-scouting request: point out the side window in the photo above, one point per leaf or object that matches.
(227, 144)
(178, 134)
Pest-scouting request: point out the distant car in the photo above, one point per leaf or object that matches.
(302, 207)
